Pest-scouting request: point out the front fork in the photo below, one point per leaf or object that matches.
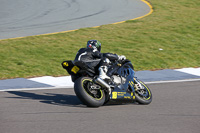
(138, 85)
(139, 88)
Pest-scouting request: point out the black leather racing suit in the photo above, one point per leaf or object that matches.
(93, 58)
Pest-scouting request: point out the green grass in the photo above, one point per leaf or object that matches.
(174, 26)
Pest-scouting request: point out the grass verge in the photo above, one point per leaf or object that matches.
(173, 27)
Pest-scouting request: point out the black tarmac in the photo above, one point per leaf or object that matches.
(175, 109)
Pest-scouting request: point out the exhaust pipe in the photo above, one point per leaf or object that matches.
(102, 83)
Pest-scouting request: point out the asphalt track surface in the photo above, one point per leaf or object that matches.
(34, 17)
(175, 109)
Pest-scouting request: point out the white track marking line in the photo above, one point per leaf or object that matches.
(69, 87)
(193, 71)
(54, 81)
(172, 81)
(43, 88)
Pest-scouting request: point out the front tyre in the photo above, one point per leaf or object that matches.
(143, 94)
(90, 97)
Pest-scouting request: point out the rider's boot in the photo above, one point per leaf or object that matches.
(102, 76)
(102, 72)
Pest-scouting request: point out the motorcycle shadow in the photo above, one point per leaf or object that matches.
(49, 98)
(119, 103)
(60, 99)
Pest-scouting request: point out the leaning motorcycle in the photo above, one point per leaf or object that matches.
(122, 86)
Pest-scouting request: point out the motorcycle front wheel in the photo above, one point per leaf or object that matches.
(143, 94)
(90, 97)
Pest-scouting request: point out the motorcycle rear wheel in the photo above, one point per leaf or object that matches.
(144, 97)
(89, 97)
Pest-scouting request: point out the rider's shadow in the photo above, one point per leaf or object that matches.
(49, 98)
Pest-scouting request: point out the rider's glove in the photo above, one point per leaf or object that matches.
(122, 57)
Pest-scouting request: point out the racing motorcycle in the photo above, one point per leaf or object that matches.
(122, 86)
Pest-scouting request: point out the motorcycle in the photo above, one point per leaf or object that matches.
(122, 86)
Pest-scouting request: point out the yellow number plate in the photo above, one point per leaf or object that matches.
(75, 69)
(114, 95)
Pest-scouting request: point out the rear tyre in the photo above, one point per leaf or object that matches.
(144, 95)
(89, 96)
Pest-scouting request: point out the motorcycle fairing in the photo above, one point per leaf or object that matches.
(77, 68)
(68, 65)
(126, 90)
(128, 73)
(119, 94)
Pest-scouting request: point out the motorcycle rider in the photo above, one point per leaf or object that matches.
(93, 57)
